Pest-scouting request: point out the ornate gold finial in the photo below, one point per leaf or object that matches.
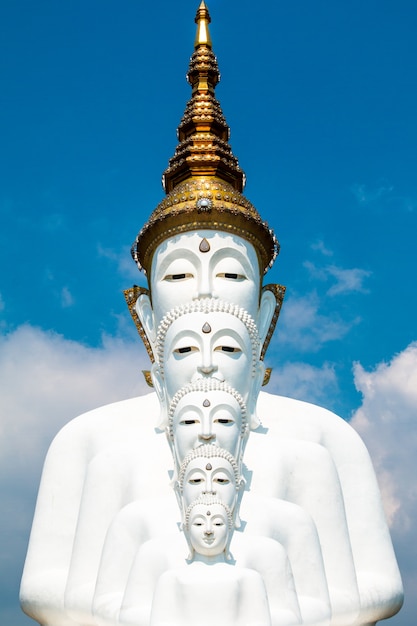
(203, 133)
(203, 181)
(202, 20)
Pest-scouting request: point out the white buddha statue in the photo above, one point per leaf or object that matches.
(253, 587)
(209, 470)
(206, 244)
(207, 411)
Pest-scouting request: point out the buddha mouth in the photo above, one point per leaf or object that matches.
(209, 540)
(212, 376)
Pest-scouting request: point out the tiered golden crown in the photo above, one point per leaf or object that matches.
(203, 181)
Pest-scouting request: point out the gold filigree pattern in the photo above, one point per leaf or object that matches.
(131, 295)
(228, 211)
(204, 166)
(279, 293)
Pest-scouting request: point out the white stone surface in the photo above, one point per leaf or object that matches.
(108, 445)
(311, 545)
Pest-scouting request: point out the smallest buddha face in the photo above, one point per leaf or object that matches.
(200, 417)
(208, 529)
(214, 476)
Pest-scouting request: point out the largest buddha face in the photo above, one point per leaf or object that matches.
(204, 264)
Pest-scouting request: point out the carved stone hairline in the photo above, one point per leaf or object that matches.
(207, 305)
(207, 385)
(207, 500)
(208, 451)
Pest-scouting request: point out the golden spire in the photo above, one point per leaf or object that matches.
(203, 133)
(202, 19)
(203, 181)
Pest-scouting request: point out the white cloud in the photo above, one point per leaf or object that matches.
(67, 299)
(366, 195)
(303, 326)
(347, 280)
(387, 421)
(46, 380)
(382, 197)
(304, 382)
(123, 261)
(319, 246)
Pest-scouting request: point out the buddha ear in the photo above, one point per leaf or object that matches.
(145, 314)
(236, 510)
(266, 313)
(178, 496)
(258, 378)
(159, 386)
(269, 310)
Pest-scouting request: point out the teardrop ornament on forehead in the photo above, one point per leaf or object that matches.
(206, 328)
(206, 402)
(204, 245)
(209, 467)
(208, 513)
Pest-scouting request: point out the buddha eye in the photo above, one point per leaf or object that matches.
(197, 523)
(195, 481)
(223, 420)
(222, 481)
(175, 277)
(185, 350)
(231, 276)
(189, 422)
(218, 524)
(227, 349)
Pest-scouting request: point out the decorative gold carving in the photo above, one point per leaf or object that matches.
(279, 293)
(230, 212)
(267, 376)
(131, 295)
(148, 378)
(202, 20)
(204, 166)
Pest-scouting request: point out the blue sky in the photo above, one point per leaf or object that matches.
(321, 100)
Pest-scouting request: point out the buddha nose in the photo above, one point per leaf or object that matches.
(206, 431)
(204, 285)
(207, 366)
(209, 485)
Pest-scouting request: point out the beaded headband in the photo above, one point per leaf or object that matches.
(207, 500)
(208, 451)
(207, 305)
(206, 385)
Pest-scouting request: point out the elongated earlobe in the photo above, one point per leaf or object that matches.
(159, 387)
(253, 395)
(269, 310)
(145, 314)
